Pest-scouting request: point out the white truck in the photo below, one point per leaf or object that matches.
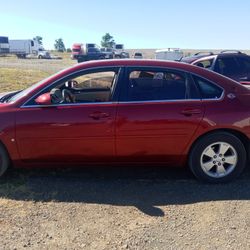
(171, 54)
(4, 45)
(22, 48)
(119, 51)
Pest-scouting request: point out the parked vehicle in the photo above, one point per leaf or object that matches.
(43, 54)
(109, 53)
(170, 54)
(86, 52)
(76, 50)
(145, 112)
(233, 64)
(22, 48)
(4, 45)
(138, 55)
(119, 51)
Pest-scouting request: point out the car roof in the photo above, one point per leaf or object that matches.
(224, 53)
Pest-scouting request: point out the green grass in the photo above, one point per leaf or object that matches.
(16, 79)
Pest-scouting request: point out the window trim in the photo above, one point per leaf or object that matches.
(213, 83)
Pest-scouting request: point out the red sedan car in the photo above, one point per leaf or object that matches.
(129, 111)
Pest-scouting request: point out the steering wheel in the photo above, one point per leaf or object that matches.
(68, 97)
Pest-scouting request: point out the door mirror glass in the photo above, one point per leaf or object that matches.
(44, 99)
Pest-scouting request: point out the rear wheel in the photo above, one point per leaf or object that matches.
(217, 158)
(4, 160)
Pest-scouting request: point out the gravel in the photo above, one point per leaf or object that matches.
(122, 208)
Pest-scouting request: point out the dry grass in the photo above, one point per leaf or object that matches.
(16, 79)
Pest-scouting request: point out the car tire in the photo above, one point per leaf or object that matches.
(218, 158)
(4, 160)
(40, 57)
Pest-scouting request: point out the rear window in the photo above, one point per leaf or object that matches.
(207, 89)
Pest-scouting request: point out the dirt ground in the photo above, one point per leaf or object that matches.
(122, 208)
(119, 207)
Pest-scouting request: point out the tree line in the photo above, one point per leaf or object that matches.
(106, 42)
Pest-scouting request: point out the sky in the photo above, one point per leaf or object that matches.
(138, 24)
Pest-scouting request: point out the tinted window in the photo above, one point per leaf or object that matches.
(4, 39)
(227, 66)
(92, 50)
(244, 63)
(158, 85)
(91, 45)
(207, 89)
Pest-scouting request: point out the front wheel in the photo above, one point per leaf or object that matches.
(217, 158)
(4, 160)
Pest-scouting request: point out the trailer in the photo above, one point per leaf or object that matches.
(4, 45)
(22, 48)
(171, 54)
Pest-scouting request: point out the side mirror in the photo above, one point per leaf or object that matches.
(44, 99)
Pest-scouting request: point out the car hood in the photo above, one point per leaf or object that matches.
(6, 94)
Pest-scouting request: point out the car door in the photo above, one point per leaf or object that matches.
(158, 113)
(68, 132)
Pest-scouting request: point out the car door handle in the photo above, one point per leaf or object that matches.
(190, 111)
(98, 115)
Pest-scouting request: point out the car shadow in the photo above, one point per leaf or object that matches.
(146, 188)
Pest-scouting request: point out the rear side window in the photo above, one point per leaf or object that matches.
(207, 89)
(150, 85)
(244, 63)
(227, 66)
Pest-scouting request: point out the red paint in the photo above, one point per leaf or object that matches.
(44, 99)
(150, 132)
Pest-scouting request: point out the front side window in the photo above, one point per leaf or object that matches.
(207, 64)
(144, 85)
(207, 89)
(83, 88)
